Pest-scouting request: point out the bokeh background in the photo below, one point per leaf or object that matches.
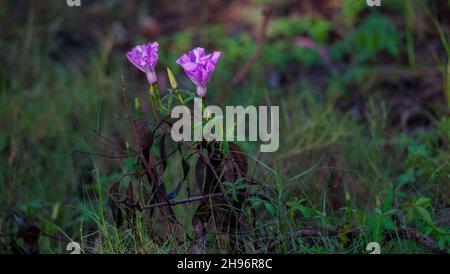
(364, 94)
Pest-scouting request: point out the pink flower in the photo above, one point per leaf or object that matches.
(145, 57)
(199, 67)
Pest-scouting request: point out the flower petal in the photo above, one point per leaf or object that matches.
(198, 66)
(144, 57)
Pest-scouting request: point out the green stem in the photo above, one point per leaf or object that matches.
(152, 100)
(177, 92)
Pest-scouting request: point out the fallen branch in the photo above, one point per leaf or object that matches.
(425, 241)
(406, 232)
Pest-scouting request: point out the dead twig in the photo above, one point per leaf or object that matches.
(184, 201)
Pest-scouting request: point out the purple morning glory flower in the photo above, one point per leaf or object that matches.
(199, 67)
(145, 57)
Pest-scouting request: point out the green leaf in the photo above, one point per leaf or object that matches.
(390, 212)
(425, 215)
(306, 212)
(270, 208)
(423, 201)
(255, 202)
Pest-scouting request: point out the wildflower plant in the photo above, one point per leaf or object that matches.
(220, 174)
